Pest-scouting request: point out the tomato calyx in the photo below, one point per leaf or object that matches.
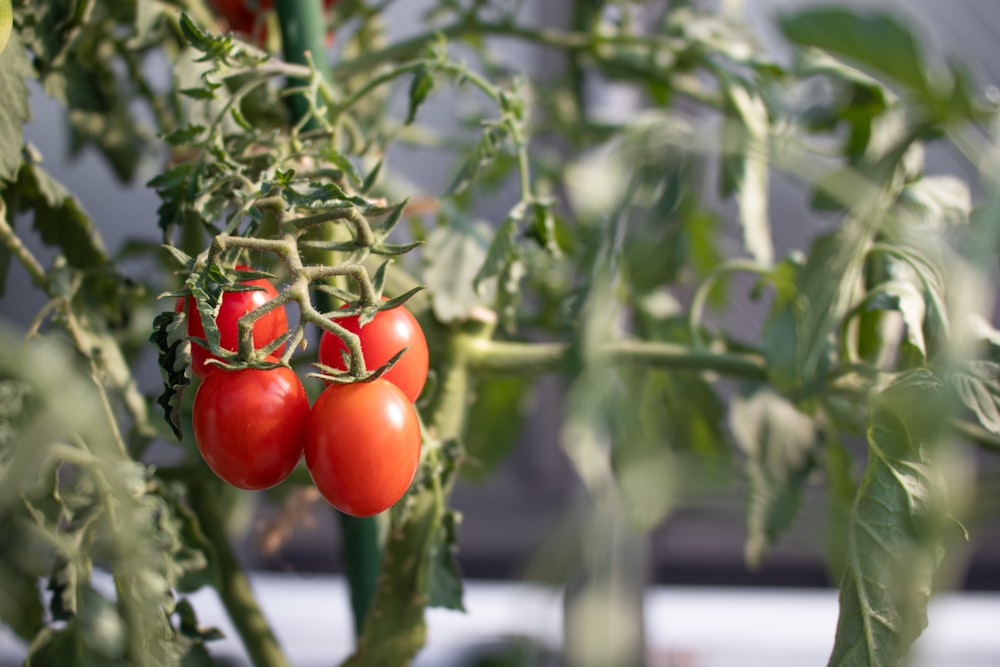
(234, 317)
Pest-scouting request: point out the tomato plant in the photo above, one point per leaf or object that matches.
(233, 306)
(249, 424)
(756, 282)
(362, 445)
(388, 333)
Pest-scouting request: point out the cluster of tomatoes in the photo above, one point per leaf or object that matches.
(361, 440)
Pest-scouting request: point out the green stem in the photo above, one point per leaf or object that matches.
(502, 357)
(234, 587)
(302, 33)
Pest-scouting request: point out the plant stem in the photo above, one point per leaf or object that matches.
(234, 586)
(302, 32)
(501, 357)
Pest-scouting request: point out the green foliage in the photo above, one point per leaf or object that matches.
(608, 258)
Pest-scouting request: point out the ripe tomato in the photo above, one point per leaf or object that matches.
(362, 445)
(381, 339)
(249, 424)
(247, 16)
(234, 305)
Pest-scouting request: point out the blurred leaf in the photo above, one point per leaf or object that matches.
(894, 532)
(779, 443)
(15, 110)
(445, 585)
(978, 386)
(827, 285)
(495, 421)
(884, 46)
(907, 299)
(455, 252)
(420, 88)
(940, 201)
(58, 216)
(876, 41)
(417, 552)
(20, 603)
(840, 491)
(753, 177)
(66, 648)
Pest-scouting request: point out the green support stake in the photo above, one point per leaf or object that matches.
(303, 30)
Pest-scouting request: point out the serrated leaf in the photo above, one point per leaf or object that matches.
(59, 217)
(893, 539)
(778, 441)
(15, 109)
(169, 337)
(455, 253)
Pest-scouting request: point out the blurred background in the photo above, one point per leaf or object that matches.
(514, 516)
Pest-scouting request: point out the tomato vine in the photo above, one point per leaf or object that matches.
(618, 251)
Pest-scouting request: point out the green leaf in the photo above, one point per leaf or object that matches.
(877, 42)
(15, 110)
(753, 177)
(827, 284)
(66, 648)
(413, 557)
(894, 536)
(455, 253)
(495, 422)
(908, 300)
(20, 603)
(779, 443)
(445, 578)
(58, 217)
(882, 45)
(978, 387)
(169, 337)
(420, 88)
(840, 491)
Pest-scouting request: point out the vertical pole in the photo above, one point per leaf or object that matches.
(303, 30)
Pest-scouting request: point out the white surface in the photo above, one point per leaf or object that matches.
(702, 627)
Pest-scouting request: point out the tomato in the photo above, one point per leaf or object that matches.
(381, 339)
(234, 305)
(249, 424)
(362, 445)
(248, 16)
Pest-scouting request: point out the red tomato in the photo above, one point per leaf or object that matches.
(249, 424)
(381, 339)
(248, 16)
(362, 445)
(234, 305)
